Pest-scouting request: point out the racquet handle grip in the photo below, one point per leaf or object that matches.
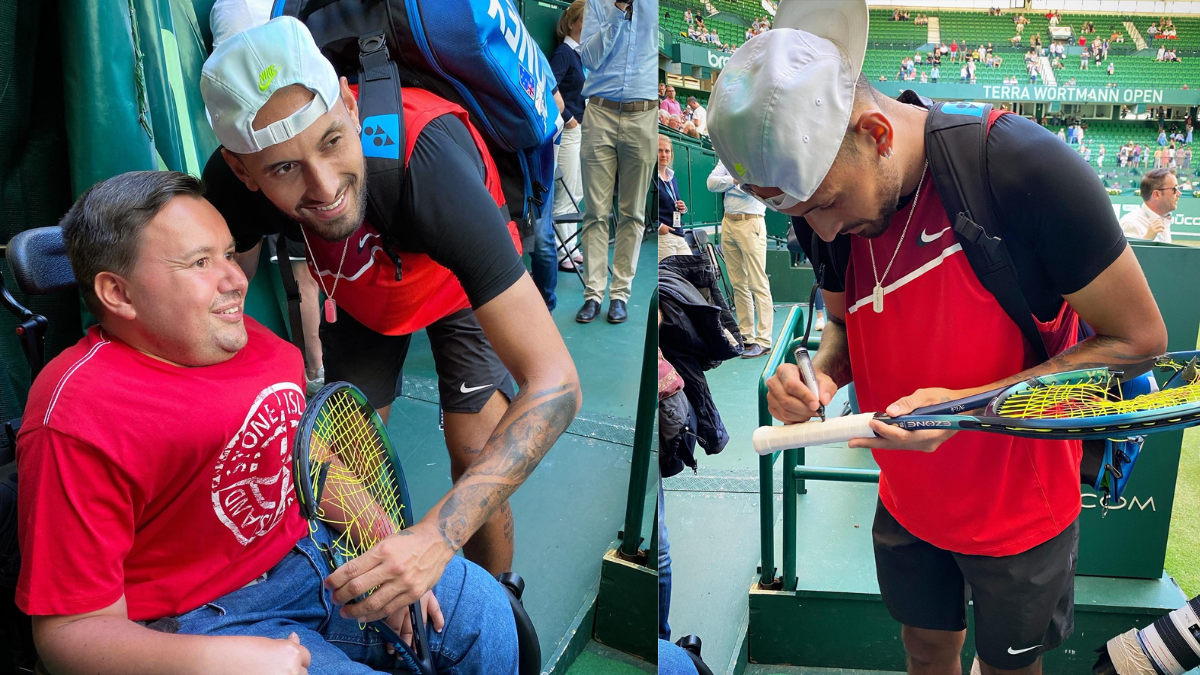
(837, 430)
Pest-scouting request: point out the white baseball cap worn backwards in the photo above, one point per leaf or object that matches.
(783, 102)
(246, 69)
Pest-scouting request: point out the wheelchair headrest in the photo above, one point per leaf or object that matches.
(39, 263)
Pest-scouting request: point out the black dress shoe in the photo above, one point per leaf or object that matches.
(616, 311)
(753, 351)
(589, 312)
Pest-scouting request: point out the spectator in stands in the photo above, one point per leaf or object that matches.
(749, 34)
(1083, 59)
(714, 37)
(1053, 19)
(1185, 162)
(1057, 64)
(687, 16)
(1086, 151)
(1100, 157)
(883, 78)
(1137, 155)
(963, 75)
(670, 104)
(943, 49)
(954, 49)
(1162, 135)
(662, 91)
(1111, 69)
(697, 115)
(936, 72)
(1015, 40)
(670, 207)
(1116, 36)
(744, 243)
(1160, 196)
(567, 66)
(1033, 74)
(1159, 153)
(1062, 135)
(924, 77)
(1152, 30)
(618, 135)
(1169, 155)
(1187, 127)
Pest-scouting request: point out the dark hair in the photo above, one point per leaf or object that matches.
(1154, 180)
(103, 229)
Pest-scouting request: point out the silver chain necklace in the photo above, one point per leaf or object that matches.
(877, 292)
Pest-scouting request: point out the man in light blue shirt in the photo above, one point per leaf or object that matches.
(619, 47)
(744, 245)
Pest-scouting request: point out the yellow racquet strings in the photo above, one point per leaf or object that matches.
(1091, 399)
(361, 497)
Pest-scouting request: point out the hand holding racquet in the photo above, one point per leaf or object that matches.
(1076, 404)
(347, 475)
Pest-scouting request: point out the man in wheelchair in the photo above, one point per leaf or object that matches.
(156, 504)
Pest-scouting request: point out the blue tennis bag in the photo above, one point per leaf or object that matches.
(476, 53)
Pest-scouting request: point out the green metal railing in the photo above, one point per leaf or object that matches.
(794, 471)
(643, 438)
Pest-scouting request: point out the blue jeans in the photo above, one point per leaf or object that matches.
(673, 660)
(543, 259)
(479, 638)
(664, 569)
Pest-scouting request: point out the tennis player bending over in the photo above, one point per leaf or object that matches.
(986, 517)
(156, 484)
(443, 260)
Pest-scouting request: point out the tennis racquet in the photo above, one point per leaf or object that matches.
(1080, 404)
(348, 476)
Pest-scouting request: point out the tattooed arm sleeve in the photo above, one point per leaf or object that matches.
(525, 338)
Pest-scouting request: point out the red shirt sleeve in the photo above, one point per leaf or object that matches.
(76, 514)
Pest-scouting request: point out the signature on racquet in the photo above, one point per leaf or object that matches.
(348, 476)
(1080, 404)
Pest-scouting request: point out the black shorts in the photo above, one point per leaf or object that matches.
(467, 366)
(1024, 604)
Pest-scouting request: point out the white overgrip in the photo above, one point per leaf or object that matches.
(812, 433)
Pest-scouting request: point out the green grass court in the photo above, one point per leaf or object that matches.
(1183, 547)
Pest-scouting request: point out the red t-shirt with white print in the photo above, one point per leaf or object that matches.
(167, 484)
(978, 493)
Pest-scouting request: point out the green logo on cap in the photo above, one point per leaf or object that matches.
(741, 170)
(266, 76)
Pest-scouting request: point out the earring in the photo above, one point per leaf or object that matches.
(889, 153)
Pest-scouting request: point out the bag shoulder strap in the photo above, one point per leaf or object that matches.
(291, 289)
(956, 148)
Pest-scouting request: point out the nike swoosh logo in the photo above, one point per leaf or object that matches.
(1021, 651)
(466, 390)
(927, 238)
(362, 244)
(267, 76)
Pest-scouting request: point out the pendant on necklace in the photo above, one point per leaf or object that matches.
(331, 310)
(877, 298)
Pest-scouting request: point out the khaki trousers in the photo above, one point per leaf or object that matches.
(672, 244)
(744, 244)
(615, 143)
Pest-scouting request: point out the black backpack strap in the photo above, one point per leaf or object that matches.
(956, 148)
(381, 113)
(291, 289)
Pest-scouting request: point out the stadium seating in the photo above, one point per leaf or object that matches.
(1187, 32)
(885, 32)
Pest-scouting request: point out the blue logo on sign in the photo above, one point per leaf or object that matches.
(379, 136)
(972, 109)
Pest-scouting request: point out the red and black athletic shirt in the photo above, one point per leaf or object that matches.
(979, 494)
(455, 249)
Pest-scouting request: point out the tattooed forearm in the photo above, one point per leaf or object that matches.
(533, 422)
(833, 357)
(1100, 351)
